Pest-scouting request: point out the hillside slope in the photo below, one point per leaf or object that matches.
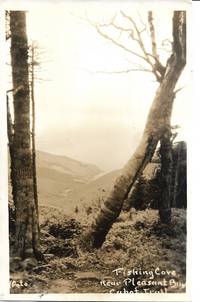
(82, 171)
(59, 175)
(66, 183)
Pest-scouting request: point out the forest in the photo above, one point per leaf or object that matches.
(74, 228)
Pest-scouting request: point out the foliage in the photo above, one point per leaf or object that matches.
(65, 230)
(147, 192)
(135, 241)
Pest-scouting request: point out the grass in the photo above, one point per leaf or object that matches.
(136, 242)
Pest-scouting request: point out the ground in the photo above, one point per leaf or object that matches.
(139, 254)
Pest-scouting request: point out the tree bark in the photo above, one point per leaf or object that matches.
(33, 129)
(175, 176)
(157, 120)
(26, 237)
(10, 130)
(165, 177)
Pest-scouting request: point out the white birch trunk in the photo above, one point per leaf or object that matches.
(157, 120)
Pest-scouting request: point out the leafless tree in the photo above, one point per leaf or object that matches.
(158, 122)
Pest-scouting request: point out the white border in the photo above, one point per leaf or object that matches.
(194, 158)
(4, 252)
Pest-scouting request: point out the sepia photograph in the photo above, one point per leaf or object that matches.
(98, 101)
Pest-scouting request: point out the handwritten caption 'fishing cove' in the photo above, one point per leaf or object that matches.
(143, 281)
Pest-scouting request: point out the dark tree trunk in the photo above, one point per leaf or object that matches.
(174, 179)
(32, 78)
(10, 130)
(27, 236)
(165, 177)
(179, 187)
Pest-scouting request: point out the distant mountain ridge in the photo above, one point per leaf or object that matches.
(67, 165)
(65, 182)
(59, 175)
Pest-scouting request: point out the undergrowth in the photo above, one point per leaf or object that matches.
(136, 241)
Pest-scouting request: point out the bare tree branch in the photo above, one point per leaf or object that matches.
(37, 62)
(142, 22)
(178, 89)
(42, 80)
(118, 27)
(142, 46)
(138, 40)
(134, 33)
(118, 43)
(118, 71)
(167, 42)
(159, 66)
(153, 36)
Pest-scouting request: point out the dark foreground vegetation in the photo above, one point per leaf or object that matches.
(137, 242)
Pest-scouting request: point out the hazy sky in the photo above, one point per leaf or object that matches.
(93, 117)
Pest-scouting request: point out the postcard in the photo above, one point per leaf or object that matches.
(94, 150)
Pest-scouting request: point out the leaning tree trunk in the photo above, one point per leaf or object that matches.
(26, 237)
(160, 111)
